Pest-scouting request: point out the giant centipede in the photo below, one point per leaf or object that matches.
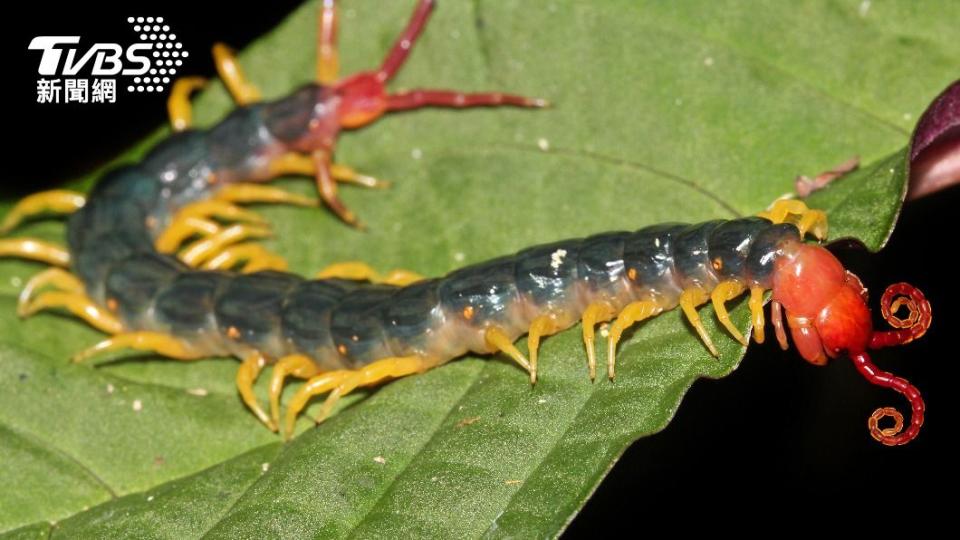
(129, 270)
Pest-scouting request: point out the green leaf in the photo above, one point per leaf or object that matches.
(664, 111)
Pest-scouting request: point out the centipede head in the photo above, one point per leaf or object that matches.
(363, 99)
(828, 316)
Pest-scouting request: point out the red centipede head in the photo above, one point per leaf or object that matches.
(363, 99)
(827, 313)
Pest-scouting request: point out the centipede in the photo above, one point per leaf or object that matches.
(163, 257)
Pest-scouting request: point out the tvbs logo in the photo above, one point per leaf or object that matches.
(71, 71)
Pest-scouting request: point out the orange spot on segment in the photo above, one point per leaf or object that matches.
(233, 332)
(342, 349)
(468, 313)
(112, 304)
(632, 274)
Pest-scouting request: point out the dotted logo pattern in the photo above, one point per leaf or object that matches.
(166, 56)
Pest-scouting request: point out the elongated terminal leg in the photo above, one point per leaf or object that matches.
(240, 88)
(78, 304)
(178, 104)
(724, 292)
(544, 325)
(359, 271)
(296, 365)
(756, 313)
(246, 376)
(36, 250)
(56, 201)
(341, 383)
(328, 64)
(156, 342)
(630, 315)
(497, 340)
(689, 300)
(56, 277)
(595, 312)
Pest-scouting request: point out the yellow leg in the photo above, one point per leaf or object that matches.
(56, 201)
(298, 164)
(689, 300)
(497, 340)
(327, 62)
(205, 248)
(795, 211)
(240, 88)
(254, 254)
(79, 305)
(260, 193)
(360, 271)
(270, 262)
(327, 189)
(595, 312)
(33, 249)
(162, 344)
(246, 376)
(544, 325)
(630, 315)
(756, 313)
(178, 104)
(724, 292)
(212, 208)
(181, 229)
(341, 383)
(56, 277)
(297, 365)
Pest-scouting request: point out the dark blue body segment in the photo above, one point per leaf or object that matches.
(600, 261)
(482, 293)
(411, 316)
(305, 315)
(355, 324)
(545, 274)
(648, 258)
(247, 308)
(691, 256)
(731, 243)
(186, 305)
(764, 251)
(133, 284)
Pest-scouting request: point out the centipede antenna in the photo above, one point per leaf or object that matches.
(328, 63)
(401, 48)
(891, 436)
(916, 323)
(416, 99)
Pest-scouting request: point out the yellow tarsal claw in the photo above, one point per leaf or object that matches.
(35, 250)
(246, 376)
(296, 365)
(724, 292)
(630, 315)
(79, 305)
(155, 342)
(178, 104)
(689, 300)
(756, 313)
(497, 340)
(57, 201)
(205, 248)
(228, 68)
(595, 312)
(55, 277)
(544, 325)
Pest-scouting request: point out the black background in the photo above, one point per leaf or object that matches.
(776, 434)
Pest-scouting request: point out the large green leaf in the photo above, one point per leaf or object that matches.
(664, 111)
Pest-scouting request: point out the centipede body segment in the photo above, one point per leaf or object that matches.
(162, 256)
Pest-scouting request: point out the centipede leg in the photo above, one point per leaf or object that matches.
(792, 210)
(55, 277)
(722, 293)
(196, 219)
(296, 365)
(203, 249)
(595, 312)
(756, 313)
(544, 325)
(360, 271)
(78, 304)
(689, 300)
(36, 250)
(328, 64)
(630, 315)
(56, 201)
(341, 383)
(258, 193)
(776, 317)
(256, 256)
(497, 340)
(327, 188)
(178, 104)
(228, 67)
(247, 375)
(156, 342)
(293, 163)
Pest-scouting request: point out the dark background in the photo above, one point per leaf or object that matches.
(777, 434)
